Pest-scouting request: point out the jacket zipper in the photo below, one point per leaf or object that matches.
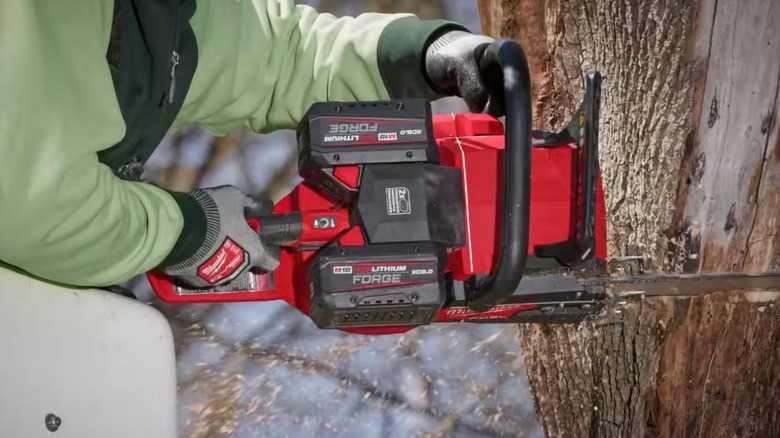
(174, 53)
(174, 64)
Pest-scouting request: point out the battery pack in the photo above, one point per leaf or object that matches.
(378, 285)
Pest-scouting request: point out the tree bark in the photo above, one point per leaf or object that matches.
(689, 152)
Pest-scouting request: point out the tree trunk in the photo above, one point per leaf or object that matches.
(689, 151)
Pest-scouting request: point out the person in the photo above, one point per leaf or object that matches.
(89, 88)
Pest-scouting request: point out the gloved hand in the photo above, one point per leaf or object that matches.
(452, 62)
(231, 246)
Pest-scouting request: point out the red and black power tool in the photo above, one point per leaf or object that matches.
(406, 218)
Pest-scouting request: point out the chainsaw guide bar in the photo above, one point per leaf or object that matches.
(692, 284)
(613, 292)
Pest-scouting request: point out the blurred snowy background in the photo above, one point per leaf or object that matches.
(262, 369)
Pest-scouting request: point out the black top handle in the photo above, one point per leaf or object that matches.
(505, 71)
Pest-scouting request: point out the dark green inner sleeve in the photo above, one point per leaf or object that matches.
(401, 56)
(192, 234)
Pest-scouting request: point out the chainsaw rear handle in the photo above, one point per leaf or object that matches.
(279, 229)
(505, 69)
(301, 229)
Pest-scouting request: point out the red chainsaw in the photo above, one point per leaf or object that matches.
(406, 218)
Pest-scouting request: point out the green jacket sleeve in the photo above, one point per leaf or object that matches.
(64, 216)
(263, 63)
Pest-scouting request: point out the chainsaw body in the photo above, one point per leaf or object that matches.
(403, 216)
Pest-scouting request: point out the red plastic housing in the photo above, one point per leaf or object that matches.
(473, 143)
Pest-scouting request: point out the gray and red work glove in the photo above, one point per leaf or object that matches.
(230, 247)
(452, 65)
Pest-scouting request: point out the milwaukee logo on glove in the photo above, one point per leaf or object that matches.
(227, 261)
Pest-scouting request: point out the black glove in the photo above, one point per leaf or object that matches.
(454, 66)
(231, 246)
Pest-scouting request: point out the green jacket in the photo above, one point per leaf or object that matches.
(72, 109)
